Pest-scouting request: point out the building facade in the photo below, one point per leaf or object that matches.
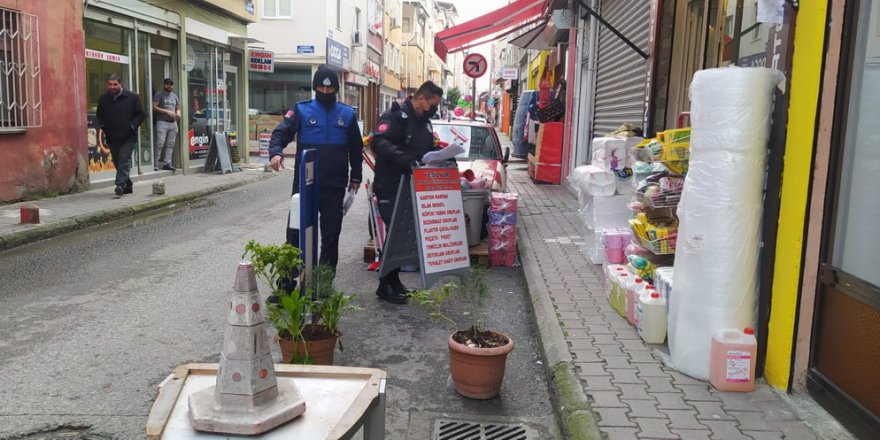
(43, 147)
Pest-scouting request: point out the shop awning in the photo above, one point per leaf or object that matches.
(485, 28)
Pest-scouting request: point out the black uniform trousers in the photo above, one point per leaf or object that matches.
(330, 225)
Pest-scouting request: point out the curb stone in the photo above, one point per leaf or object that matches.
(571, 403)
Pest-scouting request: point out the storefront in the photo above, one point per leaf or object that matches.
(845, 348)
(142, 49)
(213, 78)
(355, 93)
(145, 44)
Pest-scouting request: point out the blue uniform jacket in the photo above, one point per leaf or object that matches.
(332, 131)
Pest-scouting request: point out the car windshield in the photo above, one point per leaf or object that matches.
(480, 143)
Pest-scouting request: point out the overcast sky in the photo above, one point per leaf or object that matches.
(468, 9)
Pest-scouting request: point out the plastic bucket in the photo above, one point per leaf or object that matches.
(474, 204)
(615, 240)
(614, 255)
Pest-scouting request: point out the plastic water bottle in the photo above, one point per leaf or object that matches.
(732, 359)
(632, 294)
(651, 323)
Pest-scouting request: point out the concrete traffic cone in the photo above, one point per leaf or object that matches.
(247, 398)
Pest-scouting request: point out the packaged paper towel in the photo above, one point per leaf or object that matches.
(613, 152)
(606, 212)
(716, 258)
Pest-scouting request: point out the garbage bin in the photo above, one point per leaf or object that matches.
(474, 201)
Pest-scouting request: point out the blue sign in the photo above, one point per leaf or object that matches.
(337, 54)
(305, 49)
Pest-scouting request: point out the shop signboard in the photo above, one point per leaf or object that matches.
(356, 79)
(337, 54)
(373, 70)
(106, 56)
(261, 61)
(305, 49)
(510, 73)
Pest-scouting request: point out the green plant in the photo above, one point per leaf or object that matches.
(299, 314)
(471, 293)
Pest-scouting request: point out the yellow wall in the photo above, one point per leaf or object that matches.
(802, 110)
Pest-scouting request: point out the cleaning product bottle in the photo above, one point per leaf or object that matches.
(625, 280)
(632, 295)
(732, 360)
(651, 323)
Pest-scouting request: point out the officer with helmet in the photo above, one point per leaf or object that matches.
(330, 128)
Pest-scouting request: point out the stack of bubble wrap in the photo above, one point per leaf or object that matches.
(502, 229)
(719, 235)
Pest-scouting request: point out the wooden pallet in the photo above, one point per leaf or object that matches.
(480, 254)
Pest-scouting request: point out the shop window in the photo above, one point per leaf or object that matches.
(20, 85)
(276, 9)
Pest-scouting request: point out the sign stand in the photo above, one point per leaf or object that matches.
(219, 155)
(428, 226)
(308, 211)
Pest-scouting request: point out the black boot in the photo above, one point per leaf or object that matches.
(387, 291)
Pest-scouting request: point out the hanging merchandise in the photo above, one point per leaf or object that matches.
(716, 257)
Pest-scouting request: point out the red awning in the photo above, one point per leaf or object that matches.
(485, 28)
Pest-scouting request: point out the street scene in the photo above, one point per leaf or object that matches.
(444, 220)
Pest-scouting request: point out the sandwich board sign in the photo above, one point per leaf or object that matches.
(428, 226)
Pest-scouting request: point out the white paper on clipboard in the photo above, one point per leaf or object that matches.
(348, 200)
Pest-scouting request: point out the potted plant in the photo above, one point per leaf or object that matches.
(477, 357)
(306, 319)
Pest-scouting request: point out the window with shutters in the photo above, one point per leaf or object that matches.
(20, 87)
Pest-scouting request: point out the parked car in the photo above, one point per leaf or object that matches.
(482, 154)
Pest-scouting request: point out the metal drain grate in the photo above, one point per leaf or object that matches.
(445, 429)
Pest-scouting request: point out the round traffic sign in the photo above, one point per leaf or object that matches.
(475, 65)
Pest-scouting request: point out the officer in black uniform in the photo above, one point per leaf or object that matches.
(403, 135)
(331, 129)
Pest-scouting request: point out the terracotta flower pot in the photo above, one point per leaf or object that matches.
(477, 373)
(320, 350)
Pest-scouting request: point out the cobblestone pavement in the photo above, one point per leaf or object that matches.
(631, 392)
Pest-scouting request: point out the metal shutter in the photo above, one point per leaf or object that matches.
(620, 71)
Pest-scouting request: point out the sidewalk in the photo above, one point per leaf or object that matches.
(63, 214)
(605, 377)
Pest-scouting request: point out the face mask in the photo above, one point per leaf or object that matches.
(325, 98)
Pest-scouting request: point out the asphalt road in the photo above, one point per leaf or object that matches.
(93, 321)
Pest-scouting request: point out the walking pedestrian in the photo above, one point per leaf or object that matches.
(330, 128)
(404, 135)
(166, 113)
(119, 115)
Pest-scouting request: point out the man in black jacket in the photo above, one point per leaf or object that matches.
(119, 115)
(403, 135)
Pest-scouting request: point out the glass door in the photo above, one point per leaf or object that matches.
(846, 330)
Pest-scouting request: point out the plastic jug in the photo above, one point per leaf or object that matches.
(632, 294)
(651, 323)
(620, 299)
(646, 291)
(617, 284)
(732, 360)
(610, 271)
